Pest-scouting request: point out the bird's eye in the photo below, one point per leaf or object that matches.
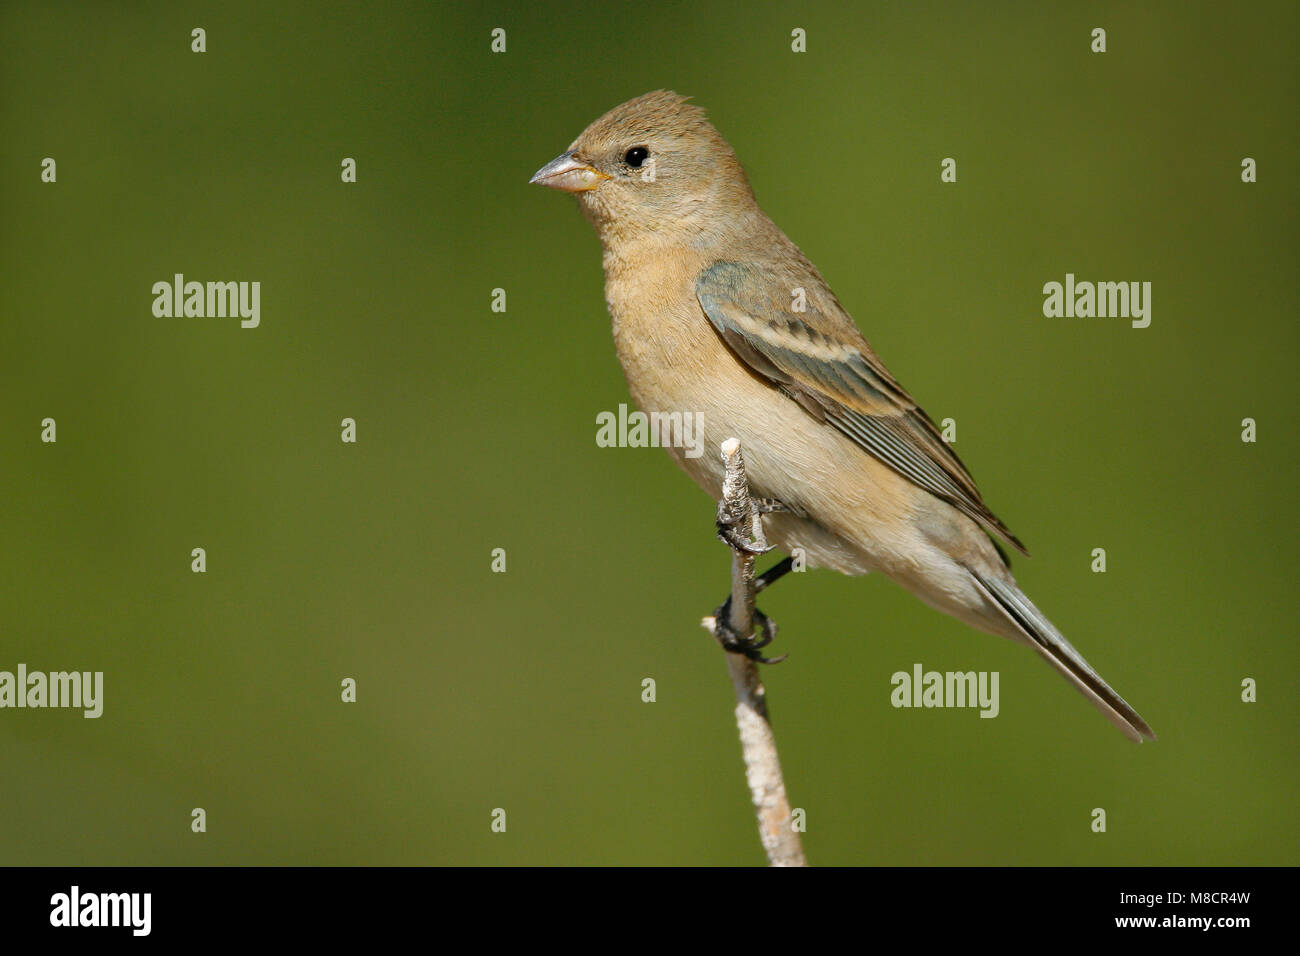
(636, 156)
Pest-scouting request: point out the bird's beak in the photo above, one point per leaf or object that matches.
(570, 174)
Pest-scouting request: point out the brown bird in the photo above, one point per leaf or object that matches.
(716, 313)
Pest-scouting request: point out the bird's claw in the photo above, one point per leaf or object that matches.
(730, 535)
(750, 646)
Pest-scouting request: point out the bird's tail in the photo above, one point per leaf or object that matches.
(1049, 642)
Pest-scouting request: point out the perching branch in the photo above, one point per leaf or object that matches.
(757, 743)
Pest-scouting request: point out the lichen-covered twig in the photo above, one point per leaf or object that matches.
(736, 511)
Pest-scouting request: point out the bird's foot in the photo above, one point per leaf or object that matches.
(737, 540)
(750, 645)
(732, 530)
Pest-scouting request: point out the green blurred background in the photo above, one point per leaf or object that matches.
(476, 430)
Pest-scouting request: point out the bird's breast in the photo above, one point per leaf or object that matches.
(674, 362)
(677, 365)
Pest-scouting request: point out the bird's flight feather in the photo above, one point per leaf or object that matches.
(836, 376)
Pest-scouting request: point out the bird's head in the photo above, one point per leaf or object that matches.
(653, 167)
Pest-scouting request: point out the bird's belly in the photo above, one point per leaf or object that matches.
(855, 514)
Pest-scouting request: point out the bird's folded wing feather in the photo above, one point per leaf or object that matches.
(820, 359)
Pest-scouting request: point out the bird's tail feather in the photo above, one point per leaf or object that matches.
(1058, 652)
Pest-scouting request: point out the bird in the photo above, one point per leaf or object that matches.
(717, 313)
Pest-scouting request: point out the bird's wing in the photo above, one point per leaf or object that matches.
(820, 359)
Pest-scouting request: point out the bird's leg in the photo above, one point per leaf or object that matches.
(733, 642)
(733, 532)
(773, 574)
(738, 644)
(729, 523)
(730, 527)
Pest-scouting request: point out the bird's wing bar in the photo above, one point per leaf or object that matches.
(822, 362)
